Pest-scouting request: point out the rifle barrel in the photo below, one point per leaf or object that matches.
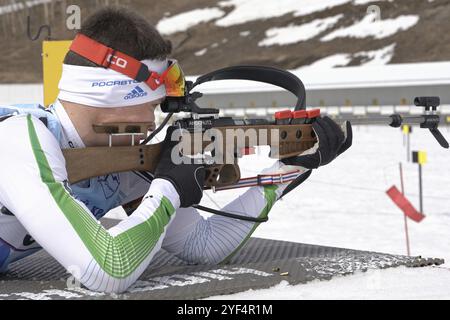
(385, 120)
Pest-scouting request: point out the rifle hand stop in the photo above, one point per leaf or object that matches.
(430, 118)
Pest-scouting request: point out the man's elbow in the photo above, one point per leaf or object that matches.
(106, 283)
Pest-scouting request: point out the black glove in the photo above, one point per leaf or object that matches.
(188, 179)
(331, 142)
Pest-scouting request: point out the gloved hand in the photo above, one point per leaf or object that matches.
(188, 179)
(331, 142)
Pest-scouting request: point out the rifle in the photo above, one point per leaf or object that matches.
(285, 137)
(289, 134)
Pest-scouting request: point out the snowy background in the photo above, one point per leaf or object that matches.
(210, 34)
(343, 204)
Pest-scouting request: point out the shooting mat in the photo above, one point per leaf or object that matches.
(261, 263)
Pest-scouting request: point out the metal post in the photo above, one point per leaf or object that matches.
(420, 189)
(408, 147)
(408, 251)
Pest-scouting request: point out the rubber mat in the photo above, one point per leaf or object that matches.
(261, 263)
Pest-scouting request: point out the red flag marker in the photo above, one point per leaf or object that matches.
(404, 204)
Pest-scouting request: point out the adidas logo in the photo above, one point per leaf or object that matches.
(137, 92)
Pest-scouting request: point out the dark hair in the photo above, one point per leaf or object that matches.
(123, 30)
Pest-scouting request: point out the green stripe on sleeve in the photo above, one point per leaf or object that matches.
(118, 256)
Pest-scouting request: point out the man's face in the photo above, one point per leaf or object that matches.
(132, 114)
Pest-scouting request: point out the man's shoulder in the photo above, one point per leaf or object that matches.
(21, 127)
(15, 122)
(20, 121)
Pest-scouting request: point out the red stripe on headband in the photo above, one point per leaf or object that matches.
(115, 60)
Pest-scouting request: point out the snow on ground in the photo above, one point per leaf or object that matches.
(251, 10)
(16, 6)
(293, 34)
(344, 205)
(374, 284)
(371, 58)
(201, 52)
(360, 2)
(370, 26)
(244, 11)
(333, 61)
(186, 20)
(376, 57)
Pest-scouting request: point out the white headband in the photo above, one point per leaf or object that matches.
(99, 87)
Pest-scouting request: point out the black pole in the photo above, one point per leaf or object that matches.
(394, 120)
(420, 189)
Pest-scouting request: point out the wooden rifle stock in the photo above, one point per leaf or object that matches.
(285, 140)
